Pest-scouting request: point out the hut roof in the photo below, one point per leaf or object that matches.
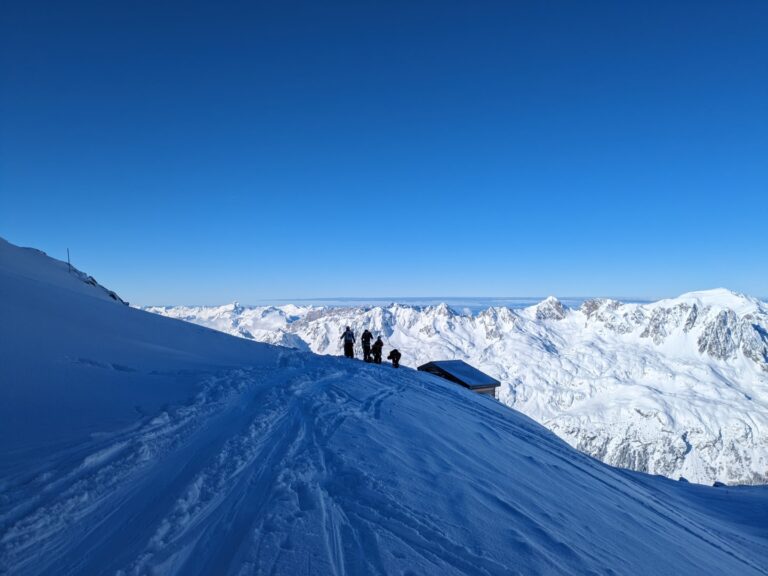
(460, 372)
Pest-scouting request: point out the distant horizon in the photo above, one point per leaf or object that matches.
(404, 300)
(471, 305)
(412, 300)
(473, 302)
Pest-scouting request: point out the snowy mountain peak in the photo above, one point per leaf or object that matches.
(36, 265)
(720, 294)
(720, 298)
(718, 323)
(550, 309)
(442, 309)
(500, 314)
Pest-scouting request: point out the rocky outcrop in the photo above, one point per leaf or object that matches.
(550, 309)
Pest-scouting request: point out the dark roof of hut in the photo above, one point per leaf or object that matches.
(460, 372)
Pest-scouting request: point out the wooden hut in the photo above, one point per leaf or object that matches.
(459, 372)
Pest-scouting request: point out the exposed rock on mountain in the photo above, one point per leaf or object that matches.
(550, 309)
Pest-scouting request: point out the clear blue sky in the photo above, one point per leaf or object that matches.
(200, 152)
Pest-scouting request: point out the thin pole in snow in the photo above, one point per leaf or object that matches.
(69, 264)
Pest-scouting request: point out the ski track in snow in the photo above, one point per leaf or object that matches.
(225, 484)
(109, 477)
(249, 442)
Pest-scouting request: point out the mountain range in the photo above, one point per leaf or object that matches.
(677, 387)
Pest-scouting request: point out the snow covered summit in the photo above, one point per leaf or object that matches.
(136, 444)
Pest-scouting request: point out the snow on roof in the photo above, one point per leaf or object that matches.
(460, 371)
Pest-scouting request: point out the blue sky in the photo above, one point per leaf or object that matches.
(201, 152)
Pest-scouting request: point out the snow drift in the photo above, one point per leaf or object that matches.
(678, 387)
(136, 444)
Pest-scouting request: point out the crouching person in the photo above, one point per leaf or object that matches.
(395, 357)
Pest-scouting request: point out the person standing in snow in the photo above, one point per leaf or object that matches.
(366, 341)
(377, 349)
(349, 342)
(395, 357)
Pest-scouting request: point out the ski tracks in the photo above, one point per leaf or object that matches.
(266, 471)
(250, 507)
(333, 542)
(73, 498)
(353, 515)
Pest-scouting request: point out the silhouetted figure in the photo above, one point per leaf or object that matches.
(395, 357)
(349, 342)
(377, 349)
(366, 340)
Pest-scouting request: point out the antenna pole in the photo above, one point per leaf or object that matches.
(69, 264)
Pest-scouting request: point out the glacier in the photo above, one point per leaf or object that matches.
(677, 387)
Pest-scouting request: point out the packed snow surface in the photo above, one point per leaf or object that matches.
(677, 387)
(136, 444)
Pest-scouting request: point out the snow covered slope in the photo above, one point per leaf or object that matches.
(678, 387)
(76, 358)
(136, 444)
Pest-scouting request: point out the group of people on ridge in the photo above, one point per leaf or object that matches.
(371, 353)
